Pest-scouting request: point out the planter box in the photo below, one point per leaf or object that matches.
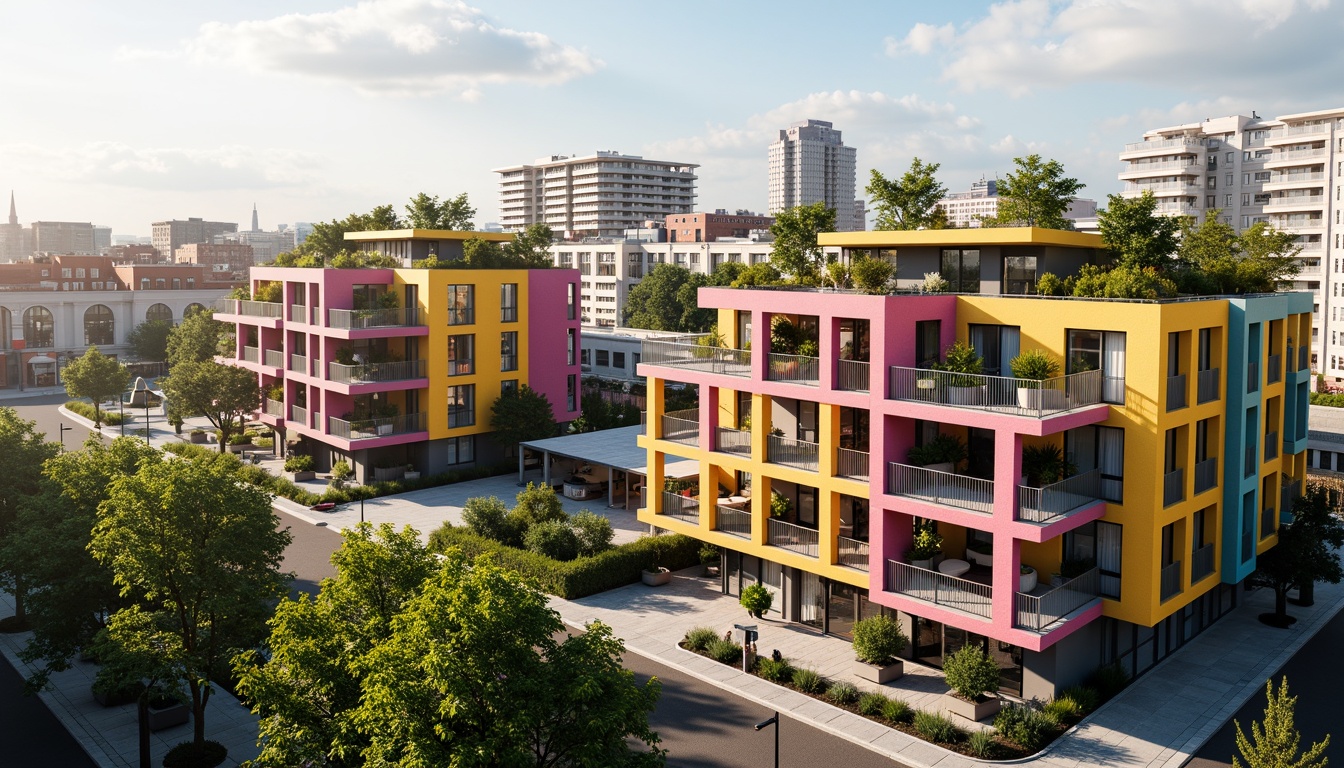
(942, 466)
(1034, 399)
(240, 447)
(966, 395)
(875, 674)
(299, 477)
(199, 437)
(119, 697)
(663, 576)
(390, 473)
(411, 476)
(972, 710)
(174, 714)
(926, 564)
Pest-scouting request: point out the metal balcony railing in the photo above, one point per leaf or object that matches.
(734, 521)
(1171, 580)
(674, 354)
(1176, 392)
(794, 369)
(852, 464)
(274, 358)
(1303, 358)
(940, 589)
(298, 415)
(685, 509)
(851, 375)
(851, 553)
(795, 538)
(734, 441)
(1267, 521)
(274, 408)
(1173, 487)
(1271, 446)
(792, 453)
(930, 485)
(1208, 385)
(362, 319)
(1201, 563)
(373, 372)
(683, 427)
(251, 355)
(1252, 376)
(1247, 546)
(1038, 612)
(1274, 369)
(1206, 475)
(1021, 397)
(298, 364)
(1045, 504)
(365, 429)
(249, 308)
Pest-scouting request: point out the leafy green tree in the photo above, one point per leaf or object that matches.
(195, 340)
(1305, 553)
(149, 340)
(327, 240)
(531, 248)
(1214, 259)
(308, 691)
(224, 394)
(363, 260)
(796, 253)
(910, 202)
(97, 377)
(473, 675)
(1036, 195)
(1135, 235)
(520, 415)
(426, 212)
(200, 553)
(24, 450)
(871, 275)
(667, 300)
(1276, 742)
(536, 504)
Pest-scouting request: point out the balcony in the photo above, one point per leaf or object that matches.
(298, 313)
(940, 589)
(1201, 563)
(1175, 392)
(935, 487)
(298, 364)
(251, 355)
(1039, 612)
(362, 319)
(1274, 369)
(1303, 358)
(274, 358)
(851, 464)
(1171, 580)
(1002, 394)
(683, 508)
(1190, 166)
(1180, 142)
(1288, 180)
(852, 553)
(734, 441)
(851, 375)
(1051, 502)
(799, 454)
(1207, 385)
(365, 429)
(1206, 475)
(795, 538)
(274, 408)
(734, 522)
(365, 373)
(249, 308)
(1250, 460)
(1302, 156)
(1271, 446)
(1252, 376)
(794, 369)
(675, 354)
(1295, 202)
(1164, 189)
(1173, 487)
(298, 415)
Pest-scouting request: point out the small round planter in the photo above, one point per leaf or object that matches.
(656, 578)
(1027, 581)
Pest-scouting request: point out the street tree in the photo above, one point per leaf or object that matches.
(195, 340)
(24, 450)
(474, 675)
(309, 684)
(667, 300)
(1275, 742)
(1036, 194)
(521, 414)
(796, 253)
(97, 377)
(910, 202)
(1305, 553)
(199, 552)
(1135, 235)
(1214, 259)
(149, 340)
(226, 395)
(427, 212)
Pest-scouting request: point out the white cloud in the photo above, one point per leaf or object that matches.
(389, 47)
(1020, 45)
(180, 169)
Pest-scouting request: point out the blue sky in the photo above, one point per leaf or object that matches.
(128, 112)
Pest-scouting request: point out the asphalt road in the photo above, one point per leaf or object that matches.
(42, 409)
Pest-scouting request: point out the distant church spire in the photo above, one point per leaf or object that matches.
(255, 226)
(13, 214)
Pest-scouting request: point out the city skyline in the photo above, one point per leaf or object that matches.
(323, 108)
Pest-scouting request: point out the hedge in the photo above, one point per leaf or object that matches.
(110, 418)
(584, 576)
(1326, 399)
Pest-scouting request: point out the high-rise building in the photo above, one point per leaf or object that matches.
(597, 195)
(15, 239)
(256, 226)
(966, 209)
(74, 237)
(102, 238)
(1102, 516)
(1285, 171)
(809, 163)
(168, 236)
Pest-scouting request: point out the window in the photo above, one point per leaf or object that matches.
(65, 272)
(1090, 350)
(573, 302)
(508, 385)
(1099, 543)
(603, 358)
(571, 343)
(144, 283)
(508, 303)
(508, 351)
(618, 360)
(571, 391)
(38, 328)
(191, 283)
(584, 356)
(461, 355)
(98, 325)
(1019, 274)
(159, 312)
(928, 342)
(93, 272)
(1103, 449)
(461, 304)
(997, 344)
(461, 406)
(79, 272)
(177, 283)
(461, 450)
(1227, 201)
(961, 269)
(1213, 182)
(1230, 179)
(160, 283)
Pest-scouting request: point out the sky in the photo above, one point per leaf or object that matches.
(131, 112)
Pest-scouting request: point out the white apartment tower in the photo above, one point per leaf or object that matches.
(810, 164)
(1287, 171)
(597, 195)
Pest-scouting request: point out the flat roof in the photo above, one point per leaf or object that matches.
(429, 234)
(616, 448)
(962, 237)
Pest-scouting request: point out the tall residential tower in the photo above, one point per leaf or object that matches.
(809, 164)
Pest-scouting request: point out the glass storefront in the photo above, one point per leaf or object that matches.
(934, 642)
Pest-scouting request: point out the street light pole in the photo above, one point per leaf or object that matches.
(146, 418)
(121, 408)
(766, 724)
(63, 429)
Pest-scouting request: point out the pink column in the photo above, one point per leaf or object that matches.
(1007, 550)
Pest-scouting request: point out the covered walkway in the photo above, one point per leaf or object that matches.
(590, 461)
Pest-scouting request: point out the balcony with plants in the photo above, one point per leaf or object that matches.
(852, 362)
(374, 365)
(1054, 488)
(373, 417)
(790, 527)
(930, 474)
(376, 312)
(794, 350)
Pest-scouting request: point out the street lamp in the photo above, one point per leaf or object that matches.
(146, 418)
(766, 724)
(121, 407)
(64, 429)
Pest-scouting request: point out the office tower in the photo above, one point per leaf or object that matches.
(168, 236)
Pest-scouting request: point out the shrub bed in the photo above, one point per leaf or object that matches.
(110, 418)
(1322, 398)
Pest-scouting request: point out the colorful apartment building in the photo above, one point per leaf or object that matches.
(400, 367)
(1182, 425)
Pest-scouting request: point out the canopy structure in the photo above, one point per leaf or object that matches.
(615, 449)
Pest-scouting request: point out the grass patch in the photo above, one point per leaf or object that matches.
(110, 418)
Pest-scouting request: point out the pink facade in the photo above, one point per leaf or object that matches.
(553, 334)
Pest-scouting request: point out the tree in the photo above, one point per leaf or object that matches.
(473, 675)
(910, 202)
(97, 377)
(667, 300)
(327, 240)
(309, 688)
(521, 414)
(195, 340)
(199, 552)
(1305, 552)
(224, 394)
(1135, 235)
(1214, 259)
(149, 340)
(24, 450)
(531, 248)
(1036, 195)
(1275, 742)
(426, 212)
(796, 252)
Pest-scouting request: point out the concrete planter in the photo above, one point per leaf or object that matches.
(875, 674)
(656, 578)
(966, 395)
(942, 466)
(299, 477)
(383, 475)
(199, 437)
(169, 716)
(1027, 581)
(411, 476)
(981, 708)
(1040, 399)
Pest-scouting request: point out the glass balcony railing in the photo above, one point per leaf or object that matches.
(251, 355)
(274, 358)
(274, 408)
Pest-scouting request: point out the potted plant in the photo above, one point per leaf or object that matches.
(878, 642)
(655, 575)
(1032, 367)
(942, 454)
(166, 709)
(971, 674)
(808, 348)
(925, 546)
(411, 473)
(1044, 464)
(964, 365)
(198, 436)
(980, 552)
(300, 467)
(1026, 580)
(780, 505)
(756, 599)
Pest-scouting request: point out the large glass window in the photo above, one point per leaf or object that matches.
(508, 303)
(462, 405)
(1101, 448)
(38, 328)
(997, 344)
(159, 312)
(461, 355)
(961, 269)
(461, 450)
(928, 342)
(1100, 544)
(98, 325)
(1104, 350)
(508, 351)
(1019, 274)
(461, 304)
